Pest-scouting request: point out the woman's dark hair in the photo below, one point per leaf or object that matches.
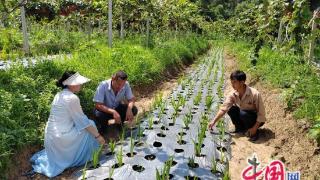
(65, 76)
(238, 75)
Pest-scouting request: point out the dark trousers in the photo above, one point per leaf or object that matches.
(101, 118)
(242, 119)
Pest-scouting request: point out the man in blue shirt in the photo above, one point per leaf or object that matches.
(114, 100)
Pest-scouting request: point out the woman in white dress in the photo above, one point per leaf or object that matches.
(70, 137)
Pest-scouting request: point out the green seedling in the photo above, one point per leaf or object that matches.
(204, 123)
(186, 122)
(123, 134)
(164, 174)
(150, 122)
(197, 99)
(201, 136)
(180, 136)
(180, 79)
(157, 100)
(95, 156)
(209, 101)
(84, 171)
(175, 105)
(197, 147)
(226, 175)
(112, 145)
(111, 171)
(181, 100)
(140, 132)
(221, 128)
(119, 156)
(192, 161)
(161, 110)
(213, 165)
(222, 156)
(189, 117)
(131, 145)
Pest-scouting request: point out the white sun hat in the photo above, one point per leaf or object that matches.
(75, 79)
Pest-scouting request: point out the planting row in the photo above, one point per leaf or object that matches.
(172, 141)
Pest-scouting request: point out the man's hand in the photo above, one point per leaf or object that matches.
(252, 131)
(129, 115)
(116, 117)
(211, 124)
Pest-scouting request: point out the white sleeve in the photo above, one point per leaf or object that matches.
(79, 118)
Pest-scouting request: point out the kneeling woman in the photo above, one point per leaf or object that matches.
(70, 137)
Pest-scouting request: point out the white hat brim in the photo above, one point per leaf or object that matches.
(75, 79)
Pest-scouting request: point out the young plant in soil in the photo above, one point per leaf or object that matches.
(161, 110)
(209, 101)
(204, 123)
(157, 100)
(84, 171)
(122, 135)
(192, 163)
(221, 128)
(175, 105)
(197, 99)
(112, 145)
(111, 171)
(150, 122)
(131, 145)
(165, 173)
(197, 148)
(201, 136)
(180, 137)
(181, 100)
(140, 132)
(95, 157)
(226, 175)
(214, 166)
(189, 117)
(222, 158)
(119, 157)
(186, 122)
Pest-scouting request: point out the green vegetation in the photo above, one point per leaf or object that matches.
(95, 157)
(119, 157)
(209, 101)
(180, 136)
(191, 161)
(150, 121)
(213, 165)
(165, 172)
(84, 171)
(197, 99)
(197, 147)
(131, 145)
(112, 145)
